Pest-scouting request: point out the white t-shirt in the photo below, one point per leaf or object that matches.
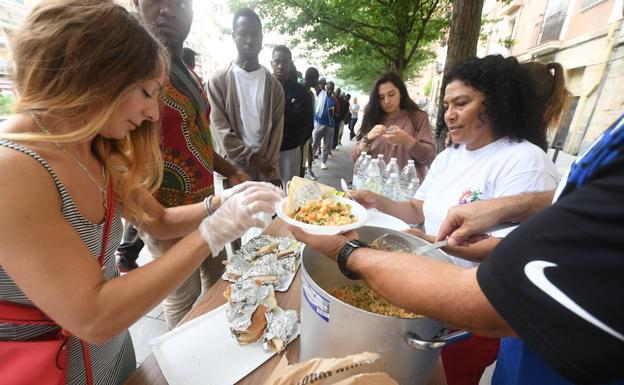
(501, 168)
(250, 92)
(355, 108)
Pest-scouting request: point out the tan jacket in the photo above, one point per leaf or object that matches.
(226, 123)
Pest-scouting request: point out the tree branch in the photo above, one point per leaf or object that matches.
(376, 27)
(329, 22)
(421, 32)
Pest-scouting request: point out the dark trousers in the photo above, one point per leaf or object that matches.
(336, 134)
(131, 244)
(352, 127)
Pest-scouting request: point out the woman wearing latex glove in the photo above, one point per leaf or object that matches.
(236, 214)
(226, 194)
(88, 165)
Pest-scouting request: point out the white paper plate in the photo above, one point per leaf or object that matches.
(202, 352)
(379, 219)
(357, 210)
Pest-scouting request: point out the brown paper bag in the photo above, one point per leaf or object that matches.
(377, 378)
(338, 371)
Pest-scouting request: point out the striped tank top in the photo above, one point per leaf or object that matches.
(112, 361)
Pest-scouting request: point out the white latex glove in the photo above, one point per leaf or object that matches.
(236, 215)
(227, 193)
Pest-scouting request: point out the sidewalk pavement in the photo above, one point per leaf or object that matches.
(340, 165)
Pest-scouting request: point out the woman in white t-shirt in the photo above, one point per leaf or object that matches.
(499, 142)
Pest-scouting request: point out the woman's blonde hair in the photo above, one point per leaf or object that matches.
(78, 59)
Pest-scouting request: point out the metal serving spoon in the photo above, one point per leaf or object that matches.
(391, 242)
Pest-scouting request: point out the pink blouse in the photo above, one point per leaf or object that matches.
(423, 151)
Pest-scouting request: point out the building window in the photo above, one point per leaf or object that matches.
(589, 3)
(553, 21)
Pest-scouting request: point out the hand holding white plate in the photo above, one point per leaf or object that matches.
(357, 210)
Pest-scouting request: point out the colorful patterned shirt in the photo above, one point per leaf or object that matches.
(186, 143)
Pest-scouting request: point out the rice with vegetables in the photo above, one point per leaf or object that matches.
(325, 212)
(364, 298)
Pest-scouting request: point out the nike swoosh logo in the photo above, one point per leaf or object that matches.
(534, 271)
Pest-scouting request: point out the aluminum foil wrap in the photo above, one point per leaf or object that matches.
(249, 250)
(245, 297)
(283, 327)
(264, 265)
(261, 256)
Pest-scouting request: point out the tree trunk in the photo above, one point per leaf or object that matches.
(462, 44)
(398, 67)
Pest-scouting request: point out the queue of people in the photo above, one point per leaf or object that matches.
(131, 136)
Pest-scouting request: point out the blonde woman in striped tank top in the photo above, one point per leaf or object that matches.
(89, 76)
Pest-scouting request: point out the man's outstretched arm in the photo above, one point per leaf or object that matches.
(466, 223)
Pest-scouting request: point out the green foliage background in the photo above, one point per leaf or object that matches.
(6, 104)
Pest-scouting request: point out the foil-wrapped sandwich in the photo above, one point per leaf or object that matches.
(283, 328)
(252, 314)
(249, 305)
(265, 255)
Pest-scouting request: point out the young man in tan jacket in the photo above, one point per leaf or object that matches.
(247, 105)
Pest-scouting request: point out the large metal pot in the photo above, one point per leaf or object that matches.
(331, 328)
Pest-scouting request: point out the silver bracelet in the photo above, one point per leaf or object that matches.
(208, 205)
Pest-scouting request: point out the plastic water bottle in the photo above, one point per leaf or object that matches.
(391, 188)
(407, 174)
(362, 171)
(411, 189)
(373, 177)
(382, 166)
(357, 171)
(392, 167)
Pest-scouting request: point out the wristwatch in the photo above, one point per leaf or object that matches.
(343, 256)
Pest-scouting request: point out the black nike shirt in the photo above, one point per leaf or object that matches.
(583, 235)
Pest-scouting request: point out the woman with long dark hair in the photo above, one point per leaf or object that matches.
(394, 126)
(549, 82)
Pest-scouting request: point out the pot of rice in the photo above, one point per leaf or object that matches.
(340, 316)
